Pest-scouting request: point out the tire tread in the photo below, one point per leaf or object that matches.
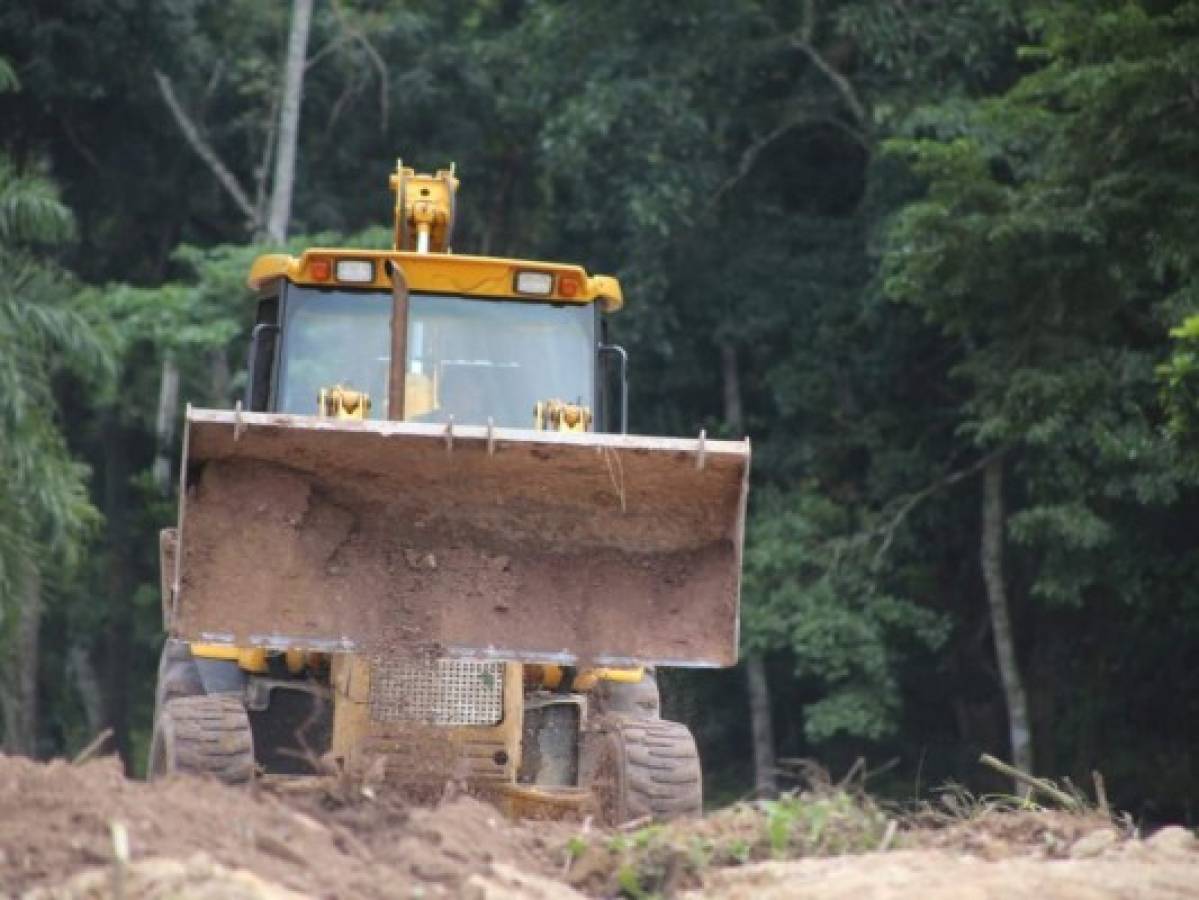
(659, 770)
(210, 734)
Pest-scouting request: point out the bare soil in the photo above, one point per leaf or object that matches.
(992, 856)
(56, 821)
(191, 838)
(942, 875)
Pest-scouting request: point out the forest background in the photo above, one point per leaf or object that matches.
(937, 258)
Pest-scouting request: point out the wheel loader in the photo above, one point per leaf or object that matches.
(425, 547)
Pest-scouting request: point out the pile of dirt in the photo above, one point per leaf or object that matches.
(994, 834)
(72, 832)
(1136, 871)
(57, 820)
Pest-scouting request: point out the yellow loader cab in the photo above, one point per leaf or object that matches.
(423, 544)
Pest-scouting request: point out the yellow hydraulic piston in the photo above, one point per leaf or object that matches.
(343, 403)
(554, 415)
(424, 209)
(587, 678)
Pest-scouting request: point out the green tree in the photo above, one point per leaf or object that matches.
(1052, 245)
(729, 160)
(45, 514)
(1180, 385)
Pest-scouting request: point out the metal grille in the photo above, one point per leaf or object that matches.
(437, 692)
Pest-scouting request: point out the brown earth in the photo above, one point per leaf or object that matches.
(189, 838)
(942, 875)
(56, 821)
(1000, 855)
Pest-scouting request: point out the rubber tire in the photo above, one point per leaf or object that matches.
(203, 735)
(652, 769)
(637, 700)
(178, 674)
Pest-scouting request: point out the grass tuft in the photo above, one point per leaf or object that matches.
(659, 860)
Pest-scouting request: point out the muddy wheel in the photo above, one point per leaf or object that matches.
(638, 700)
(650, 767)
(203, 735)
(178, 674)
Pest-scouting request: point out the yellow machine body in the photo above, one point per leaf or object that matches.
(451, 584)
(475, 276)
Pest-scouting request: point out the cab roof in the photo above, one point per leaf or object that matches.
(476, 276)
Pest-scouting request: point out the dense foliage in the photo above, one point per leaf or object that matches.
(896, 244)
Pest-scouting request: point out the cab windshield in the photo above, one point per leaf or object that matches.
(470, 358)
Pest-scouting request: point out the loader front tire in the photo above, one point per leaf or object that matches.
(633, 700)
(650, 767)
(203, 735)
(178, 675)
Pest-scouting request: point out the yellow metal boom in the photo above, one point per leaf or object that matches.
(424, 209)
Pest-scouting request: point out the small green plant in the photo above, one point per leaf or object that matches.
(575, 847)
(664, 859)
(818, 815)
(643, 837)
(780, 818)
(618, 843)
(630, 882)
(699, 853)
(739, 849)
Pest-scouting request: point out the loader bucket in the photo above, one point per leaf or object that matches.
(384, 537)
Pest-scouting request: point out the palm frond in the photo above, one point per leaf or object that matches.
(45, 512)
(30, 211)
(8, 77)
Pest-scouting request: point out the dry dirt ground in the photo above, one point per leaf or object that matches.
(87, 832)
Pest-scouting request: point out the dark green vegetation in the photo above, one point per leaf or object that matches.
(929, 255)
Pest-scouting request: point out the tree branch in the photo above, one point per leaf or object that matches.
(214, 81)
(807, 21)
(204, 150)
(73, 139)
(854, 134)
(337, 43)
(1045, 787)
(372, 54)
(749, 157)
(888, 531)
(839, 81)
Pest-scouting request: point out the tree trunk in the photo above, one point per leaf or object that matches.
(119, 584)
(219, 378)
(289, 121)
(731, 381)
(87, 686)
(756, 684)
(761, 727)
(164, 424)
(991, 556)
(20, 693)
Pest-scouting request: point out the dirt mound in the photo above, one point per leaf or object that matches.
(198, 878)
(62, 827)
(1000, 834)
(57, 820)
(942, 875)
